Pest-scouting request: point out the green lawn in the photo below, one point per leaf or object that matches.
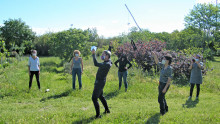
(137, 105)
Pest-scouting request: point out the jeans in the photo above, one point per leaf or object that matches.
(198, 89)
(124, 75)
(77, 71)
(98, 93)
(36, 73)
(161, 98)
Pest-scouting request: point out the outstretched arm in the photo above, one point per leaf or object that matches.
(94, 59)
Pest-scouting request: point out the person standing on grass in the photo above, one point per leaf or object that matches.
(196, 76)
(122, 70)
(100, 81)
(76, 68)
(164, 82)
(34, 68)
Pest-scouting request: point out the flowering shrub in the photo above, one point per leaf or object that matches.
(143, 58)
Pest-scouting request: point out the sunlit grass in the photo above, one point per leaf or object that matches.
(137, 105)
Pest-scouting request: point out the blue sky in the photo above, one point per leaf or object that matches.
(109, 17)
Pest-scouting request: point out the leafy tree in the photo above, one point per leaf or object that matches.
(43, 44)
(64, 43)
(205, 18)
(16, 32)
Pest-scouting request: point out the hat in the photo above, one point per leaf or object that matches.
(107, 52)
(198, 55)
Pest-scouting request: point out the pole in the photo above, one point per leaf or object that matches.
(133, 17)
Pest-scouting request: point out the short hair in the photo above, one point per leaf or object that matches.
(33, 51)
(76, 51)
(108, 53)
(169, 58)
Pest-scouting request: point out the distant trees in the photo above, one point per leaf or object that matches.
(17, 34)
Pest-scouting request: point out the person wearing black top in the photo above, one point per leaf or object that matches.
(100, 81)
(122, 70)
(110, 46)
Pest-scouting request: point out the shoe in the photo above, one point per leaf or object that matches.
(190, 97)
(106, 112)
(197, 98)
(166, 109)
(98, 116)
(162, 113)
(125, 89)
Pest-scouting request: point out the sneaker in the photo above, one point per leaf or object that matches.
(197, 98)
(106, 112)
(190, 97)
(98, 116)
(166, 109)
(162, 113)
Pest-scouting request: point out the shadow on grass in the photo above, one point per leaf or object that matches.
(84, 121)
(190, 103)
(155, 119)
(64, 94)
(112, 94)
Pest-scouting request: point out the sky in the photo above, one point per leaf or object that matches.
(109, 17)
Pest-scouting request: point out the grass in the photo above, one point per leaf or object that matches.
(137, 105)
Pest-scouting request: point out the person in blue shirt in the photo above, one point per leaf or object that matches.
(34, 68)
(164, 82)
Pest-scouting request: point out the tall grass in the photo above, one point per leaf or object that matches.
(138, 105)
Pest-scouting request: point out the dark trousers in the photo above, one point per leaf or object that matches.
(36, 73)
(98, 93)
(124, 76)
(161, 98)
(198, 89)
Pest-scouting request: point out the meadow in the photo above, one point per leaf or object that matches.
(138, 105)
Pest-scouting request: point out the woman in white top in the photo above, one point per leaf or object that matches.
(34, 68)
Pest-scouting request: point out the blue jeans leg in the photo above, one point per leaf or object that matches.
(120, 74)
(74, 71)
(125, 74)
(79, 74)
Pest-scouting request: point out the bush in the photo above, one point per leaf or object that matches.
(209, 54)
(144, 60)
(6, 64)
(218, 52)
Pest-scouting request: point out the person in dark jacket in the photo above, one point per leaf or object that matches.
(100, 81)
(122, 70)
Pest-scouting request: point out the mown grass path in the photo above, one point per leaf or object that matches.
(138, 105)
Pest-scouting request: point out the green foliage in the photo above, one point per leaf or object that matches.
(43, 44)
(218, 52)
(6, 64)
(209, 54)
(16, 32)
(64, 43)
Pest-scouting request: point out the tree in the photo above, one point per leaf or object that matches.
(16, 32)
(205, 18)
(64, 43)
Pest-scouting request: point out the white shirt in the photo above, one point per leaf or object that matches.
(34, 64)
